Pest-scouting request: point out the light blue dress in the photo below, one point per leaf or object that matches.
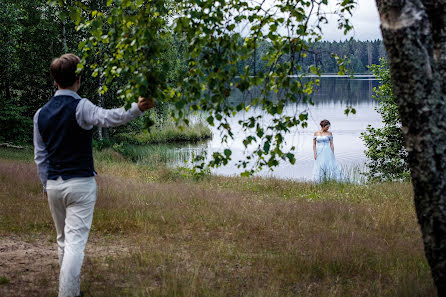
(325, 166)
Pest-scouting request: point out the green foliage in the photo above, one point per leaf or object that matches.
(138, 45)
(4, 280)
(387, 157)
(102, 144)
(14, 125)
(31, 35)
(136, 36)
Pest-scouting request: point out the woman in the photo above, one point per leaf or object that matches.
(325, 166)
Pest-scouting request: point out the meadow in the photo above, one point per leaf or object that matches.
(160, 232)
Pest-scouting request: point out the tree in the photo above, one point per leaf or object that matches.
(387, 157)
(415, 41)
(22, 75)
(29, 35)
(11, 118)
(135, 34)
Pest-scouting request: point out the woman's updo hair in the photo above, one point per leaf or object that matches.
(325, 123)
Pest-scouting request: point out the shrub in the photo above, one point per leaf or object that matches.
(387, 157)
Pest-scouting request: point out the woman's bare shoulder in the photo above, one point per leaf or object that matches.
(317, 133)
(329, 133)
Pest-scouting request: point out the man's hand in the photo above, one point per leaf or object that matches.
(144, 103)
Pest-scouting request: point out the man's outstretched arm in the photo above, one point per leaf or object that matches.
(89, 115)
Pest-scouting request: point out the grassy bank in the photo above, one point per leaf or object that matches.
(153, 155)
(169, 134)
(224, 236)
(156, 147)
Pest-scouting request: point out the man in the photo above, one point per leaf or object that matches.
(63, 154)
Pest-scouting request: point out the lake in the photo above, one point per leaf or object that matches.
(331, 99)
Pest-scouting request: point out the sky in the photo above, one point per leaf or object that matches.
(365, 22)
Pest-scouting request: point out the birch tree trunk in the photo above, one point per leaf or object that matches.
(414, 34)
(64, 37)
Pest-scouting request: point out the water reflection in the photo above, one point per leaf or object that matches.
(345, 90)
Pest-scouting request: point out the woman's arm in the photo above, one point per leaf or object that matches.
(314, 147)
(331, 143)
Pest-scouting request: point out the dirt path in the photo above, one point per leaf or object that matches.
(29, 266)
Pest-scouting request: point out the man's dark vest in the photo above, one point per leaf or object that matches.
(68, 145)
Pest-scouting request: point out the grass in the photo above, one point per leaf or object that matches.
(153, 155)
(169, 134)
(223, 236)
(4, 280)
(25, 154)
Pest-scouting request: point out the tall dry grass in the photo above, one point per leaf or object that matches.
(235, 237)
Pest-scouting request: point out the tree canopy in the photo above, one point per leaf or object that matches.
(132, 39)
(34, 33)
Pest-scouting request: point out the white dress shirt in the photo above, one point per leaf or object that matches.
(87, 116)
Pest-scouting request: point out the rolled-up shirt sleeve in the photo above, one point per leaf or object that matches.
(40, 153)
(89, 115)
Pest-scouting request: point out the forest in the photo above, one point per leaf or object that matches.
(33, 33)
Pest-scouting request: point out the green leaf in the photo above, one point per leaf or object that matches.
(79, 68)
(245, 174)
(75, 15)
(210, 120)
(81, 44)
(266, 147)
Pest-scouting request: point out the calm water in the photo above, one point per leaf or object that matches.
(331, 99)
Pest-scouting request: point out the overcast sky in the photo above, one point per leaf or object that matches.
(365, 21)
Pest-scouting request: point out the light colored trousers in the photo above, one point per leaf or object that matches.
(71, 203)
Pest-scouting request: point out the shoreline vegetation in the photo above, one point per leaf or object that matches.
(169, 134)
(160, 232)
(154, 146)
